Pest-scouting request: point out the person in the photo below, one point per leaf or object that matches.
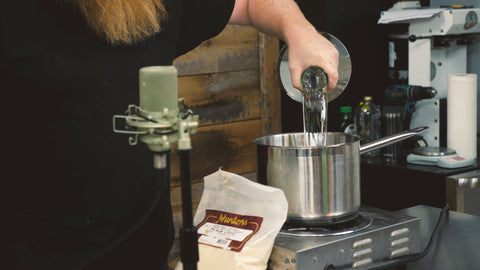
(77, 196)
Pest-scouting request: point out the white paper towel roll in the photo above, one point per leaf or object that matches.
(462, 114)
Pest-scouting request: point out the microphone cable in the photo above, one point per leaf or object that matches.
(163, 174)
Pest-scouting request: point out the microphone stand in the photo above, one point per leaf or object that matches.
(157, 122)
(188, 233)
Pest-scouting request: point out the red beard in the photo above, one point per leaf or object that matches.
(123, 21)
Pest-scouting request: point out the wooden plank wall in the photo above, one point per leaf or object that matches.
(231, 82)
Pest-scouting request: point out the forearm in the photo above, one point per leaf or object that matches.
(280, 18)
(284, 19)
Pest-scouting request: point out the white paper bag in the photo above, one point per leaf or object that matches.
(237, 221)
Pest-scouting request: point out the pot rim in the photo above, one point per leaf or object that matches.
(262, 140)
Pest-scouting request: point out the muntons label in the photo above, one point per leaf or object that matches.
(228, 231)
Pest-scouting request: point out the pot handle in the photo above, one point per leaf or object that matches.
(391, 139)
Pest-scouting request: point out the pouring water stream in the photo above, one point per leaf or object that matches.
(315, 105)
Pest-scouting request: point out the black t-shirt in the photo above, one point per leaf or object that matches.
(73, 187)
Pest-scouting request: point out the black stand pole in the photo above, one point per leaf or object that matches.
(188, 233)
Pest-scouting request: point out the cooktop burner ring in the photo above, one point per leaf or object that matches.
(355, 225)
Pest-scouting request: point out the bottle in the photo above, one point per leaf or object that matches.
(367, 123)
(346, 122)
(392, 123)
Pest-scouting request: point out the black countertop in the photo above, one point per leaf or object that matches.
(400, 186)
(458, 244)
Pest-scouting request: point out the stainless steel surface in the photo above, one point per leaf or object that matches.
(390, 235)
(321, 183)
(459, 243)
(433, 151)
(391, 139)
(344, 71)
(331, 230)
(467, 179)
(463, 192)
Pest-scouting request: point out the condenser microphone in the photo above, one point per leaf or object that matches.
(159, 121)
(158, 92)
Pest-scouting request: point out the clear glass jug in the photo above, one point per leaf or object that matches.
(316, 75)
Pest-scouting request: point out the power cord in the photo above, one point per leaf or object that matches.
(133, 228)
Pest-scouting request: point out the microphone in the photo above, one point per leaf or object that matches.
(159, 122)
(162, 118)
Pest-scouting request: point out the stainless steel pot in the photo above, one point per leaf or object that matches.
(321, 184)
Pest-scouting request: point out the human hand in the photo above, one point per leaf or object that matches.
(312, 49)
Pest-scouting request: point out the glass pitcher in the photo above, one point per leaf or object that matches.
(316, 75)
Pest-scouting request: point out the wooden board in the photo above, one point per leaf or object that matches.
(229, 146)
(222, 97)
(270, 85)
(235, 48)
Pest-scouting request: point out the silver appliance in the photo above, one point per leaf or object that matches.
(376, 236)
(437, 46)
(463, 192)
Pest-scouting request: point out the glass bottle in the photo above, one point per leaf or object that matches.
(346, 121)
(367, 123)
